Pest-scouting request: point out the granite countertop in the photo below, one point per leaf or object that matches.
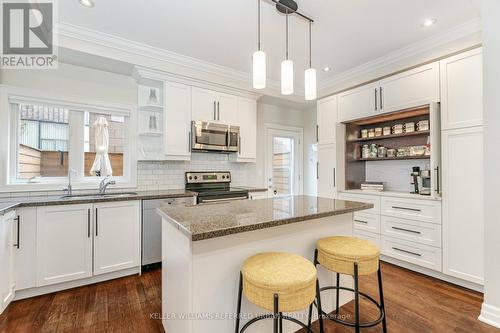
(51, 200)
(207, 221)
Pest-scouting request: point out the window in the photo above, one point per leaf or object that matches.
(52, 140)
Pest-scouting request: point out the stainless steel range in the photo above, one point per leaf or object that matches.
(214, 187)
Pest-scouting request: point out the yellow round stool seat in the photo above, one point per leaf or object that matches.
(290, 276)
(339, 253)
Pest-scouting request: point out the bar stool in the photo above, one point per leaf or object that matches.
(355, 257)
(278, 282)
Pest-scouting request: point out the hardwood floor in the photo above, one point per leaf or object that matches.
(414, 303)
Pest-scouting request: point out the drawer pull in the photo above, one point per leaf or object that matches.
(407, 230)
(406, 208)
(361, 221)
(405, 251)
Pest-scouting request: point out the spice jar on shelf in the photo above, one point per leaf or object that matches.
(373, 150)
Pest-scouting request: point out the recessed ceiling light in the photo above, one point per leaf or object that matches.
(326, 69)
(87, 3)
(428, 22)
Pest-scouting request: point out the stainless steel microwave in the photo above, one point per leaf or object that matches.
(214, 137)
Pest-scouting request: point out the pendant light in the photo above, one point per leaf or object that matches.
(286, 67)
(259, 61)
(310, 74)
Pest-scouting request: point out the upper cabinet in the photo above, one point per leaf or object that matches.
(462, 90)
(411, 88)
(177, 125)
(212, 106)
(326, 120)
(361, 102)
(415, 87)
(247, 120)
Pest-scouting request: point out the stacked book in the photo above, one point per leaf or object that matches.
(372, 186)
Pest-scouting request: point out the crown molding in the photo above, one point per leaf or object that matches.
(463, 30)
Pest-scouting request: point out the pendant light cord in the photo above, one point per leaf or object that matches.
(258, 19)
(286, 35)
(310, 44)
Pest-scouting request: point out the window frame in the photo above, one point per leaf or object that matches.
(11, 96)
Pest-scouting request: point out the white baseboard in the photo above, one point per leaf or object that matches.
(32, 292)
(490, 315)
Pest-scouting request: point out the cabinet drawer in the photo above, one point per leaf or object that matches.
(369, 236)
(410, 230)
(418, 254)
(367, 222)
(373, 199)
(414, 209)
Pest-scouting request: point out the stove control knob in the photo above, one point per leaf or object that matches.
(223, 177)
(195, 177)
(190, 177)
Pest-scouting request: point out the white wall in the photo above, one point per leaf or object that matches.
(490, 312)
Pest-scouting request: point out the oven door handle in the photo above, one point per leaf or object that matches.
(222, 200)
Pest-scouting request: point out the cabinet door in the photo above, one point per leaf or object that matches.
(116, 236)
(25, 249)
(247, 120)
(327, 184)
(412, 88)
(462, 90)
(204, 105)
(64, 243)
(359, 103)
(227, 109)
(462, 204)
(7, 284)
(327, 120)
(177, 121)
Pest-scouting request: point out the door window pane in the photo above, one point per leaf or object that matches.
(283, 162)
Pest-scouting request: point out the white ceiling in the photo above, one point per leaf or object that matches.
(346, 33)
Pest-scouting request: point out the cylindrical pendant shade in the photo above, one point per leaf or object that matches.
(310, 84)
(287, 77)
(259, 70)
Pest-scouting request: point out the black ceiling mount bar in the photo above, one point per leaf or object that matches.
(284, 6)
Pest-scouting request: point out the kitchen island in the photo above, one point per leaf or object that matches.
(204, 246)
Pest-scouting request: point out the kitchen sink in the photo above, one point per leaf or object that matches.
(98, 196)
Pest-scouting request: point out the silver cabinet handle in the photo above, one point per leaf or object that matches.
(96, 223)
(406, 208)
(215, 105)
(317, 133)
(18, 219)
(334, 180)
(437, 180)
(405, 251)
(376, 102)
(361, 221)
(88, 223)
(317, 170)
(190, 142)
(239, 145)
(218, 110)
(407, 230)
(381, 102)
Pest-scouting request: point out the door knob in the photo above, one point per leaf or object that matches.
(275, 192)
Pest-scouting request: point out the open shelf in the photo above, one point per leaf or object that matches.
(392, 136)
(424, 157)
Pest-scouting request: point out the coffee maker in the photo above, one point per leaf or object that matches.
(421, 181)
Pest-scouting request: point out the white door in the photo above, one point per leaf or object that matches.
(227, 109)
(7, 284)
(177, 121)
(462, 202)
(327, 120)
(326, 171)
(204, 105)
(462, 90)
(359, 102)
(412, 88)
(247, 120)
(64, 243)
(117, 235)
(25, 249)
(284, 162)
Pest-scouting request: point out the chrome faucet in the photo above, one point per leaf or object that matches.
(104, 185)
(69, 189)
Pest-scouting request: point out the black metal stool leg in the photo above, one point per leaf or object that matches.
(281, 322)
(238, 310)
(381, 293)
(276, 314)
(315, 262)
(356, 297)
(320, 310)
(337, 295)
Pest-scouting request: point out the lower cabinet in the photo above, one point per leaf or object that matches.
(326, 171)
(25, 249)
(7, 284)
(79, 241)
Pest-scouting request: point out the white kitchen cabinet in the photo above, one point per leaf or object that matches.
(462, 199)
(25, 249)
(411, 88)
(357, 103)
(326, 171)
(247, 120)
(7, 283)
(116, 236)
(177, 133)
(64, 243)
(327, 120)
(462, 90)
(213, 106)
